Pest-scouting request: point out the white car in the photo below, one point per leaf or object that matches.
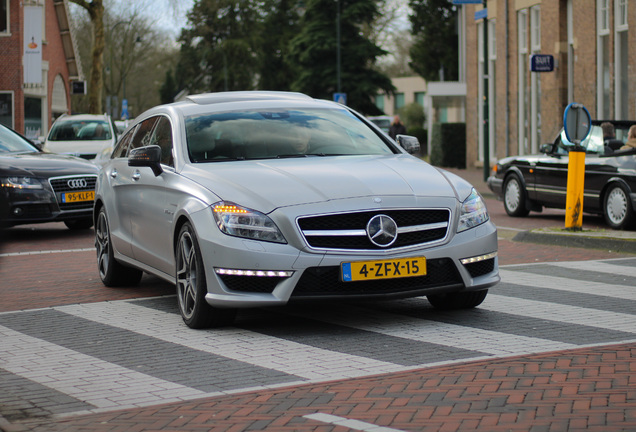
(252, 199)
(89, 136)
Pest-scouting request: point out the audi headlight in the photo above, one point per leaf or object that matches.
(473, 212)
(16, 182)
(239, 221)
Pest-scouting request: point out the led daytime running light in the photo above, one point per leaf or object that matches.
(478, 258)
(256, 273)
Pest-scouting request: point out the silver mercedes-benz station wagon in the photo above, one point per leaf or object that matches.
(253, 199)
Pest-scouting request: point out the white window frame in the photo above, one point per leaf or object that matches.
(620, 72)
(535, 28)
(602, 73)
(522, 63)
(621, 15)
(534, 119)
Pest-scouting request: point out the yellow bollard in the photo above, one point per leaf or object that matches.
(574, 197)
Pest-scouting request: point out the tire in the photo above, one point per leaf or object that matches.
(111, 272)
(79, 224)
(514, 197)
(617, 207)
(463, 300)
(192, 285)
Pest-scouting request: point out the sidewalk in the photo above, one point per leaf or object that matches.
(587, 389)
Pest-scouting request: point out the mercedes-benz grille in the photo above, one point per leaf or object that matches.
(357, 230)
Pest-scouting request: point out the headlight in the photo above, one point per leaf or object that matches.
(239, 221)
(20, 183)
(473, 212)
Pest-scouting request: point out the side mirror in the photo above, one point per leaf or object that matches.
(546, 148)
(149, 156)
(409, 143)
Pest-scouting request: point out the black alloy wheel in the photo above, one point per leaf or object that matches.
(111, 272)
(192, 286)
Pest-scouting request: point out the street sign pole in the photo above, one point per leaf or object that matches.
(577, 124)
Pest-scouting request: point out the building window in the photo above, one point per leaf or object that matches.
(398, 102)
(535, 81)
(419, 97)
(621, 56)
(379, 102)
(33, 117)
(6, 109)
(621, 15)
(535, 28)
(603, 60)
(4, 16)
(522, 94)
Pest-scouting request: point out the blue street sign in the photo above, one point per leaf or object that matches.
(124, 109)
(341, 98)
(459, 2)
(541, 63)
(481, 14)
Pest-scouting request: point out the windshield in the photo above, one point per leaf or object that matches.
(592, 144)
(11, 142)
(280, 133)
(80, 130)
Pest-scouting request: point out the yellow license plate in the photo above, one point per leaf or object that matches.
(383, 269)
(72, 197)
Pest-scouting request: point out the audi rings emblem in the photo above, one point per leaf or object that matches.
(382, 230)
(77, 183)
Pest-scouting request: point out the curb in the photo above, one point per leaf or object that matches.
(578, 240)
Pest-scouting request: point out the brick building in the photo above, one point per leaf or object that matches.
(592, 43)
(37, 64)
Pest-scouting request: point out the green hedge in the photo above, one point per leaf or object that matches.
(422, 136)
(448, 145)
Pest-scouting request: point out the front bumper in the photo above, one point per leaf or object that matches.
(495, 184)
(316, 274)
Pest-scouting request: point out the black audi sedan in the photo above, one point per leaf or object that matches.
(532, 182)
(38, 187)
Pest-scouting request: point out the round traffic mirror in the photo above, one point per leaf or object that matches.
(577, 123)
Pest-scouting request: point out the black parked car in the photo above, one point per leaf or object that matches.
(40, 187)
(529, 183)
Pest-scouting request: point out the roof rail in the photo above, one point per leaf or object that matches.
(241, 96)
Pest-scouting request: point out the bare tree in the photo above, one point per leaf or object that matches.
(95, 9)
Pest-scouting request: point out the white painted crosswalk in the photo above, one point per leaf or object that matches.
(130, 353)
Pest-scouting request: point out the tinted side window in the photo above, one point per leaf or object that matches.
(121, 149)
(144, 133)
(162, 136)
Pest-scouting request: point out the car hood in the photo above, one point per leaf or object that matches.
(269, 184)
(525, 159)
(44, 165)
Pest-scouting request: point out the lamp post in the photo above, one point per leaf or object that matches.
(113, 107)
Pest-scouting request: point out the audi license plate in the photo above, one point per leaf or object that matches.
(72, 197)
(383, 269)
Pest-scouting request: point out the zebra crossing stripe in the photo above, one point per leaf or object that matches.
(234, 343)
(96, 382)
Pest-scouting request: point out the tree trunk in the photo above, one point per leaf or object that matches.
(97, 70)
(95, 10)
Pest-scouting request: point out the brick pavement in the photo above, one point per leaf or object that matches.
(591, 389)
